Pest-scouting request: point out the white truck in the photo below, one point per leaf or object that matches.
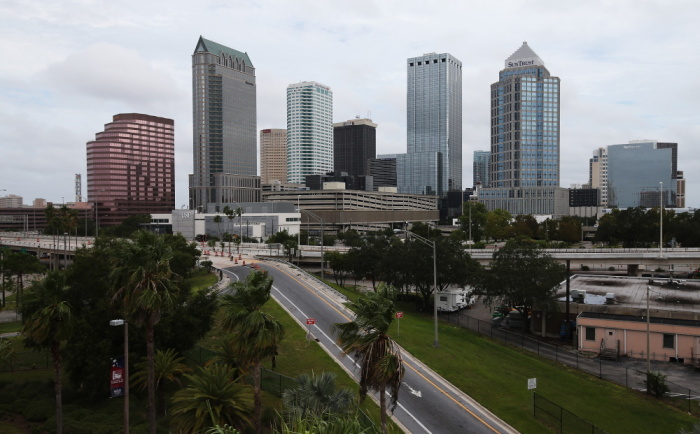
(455, 299)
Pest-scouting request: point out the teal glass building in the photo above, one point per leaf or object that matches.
(433, 160)
(639, 172)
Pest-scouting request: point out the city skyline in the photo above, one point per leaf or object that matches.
(71, 71)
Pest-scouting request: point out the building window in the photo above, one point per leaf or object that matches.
(590, 333)
(669, 341)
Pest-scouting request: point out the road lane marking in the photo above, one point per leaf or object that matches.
(438, 388)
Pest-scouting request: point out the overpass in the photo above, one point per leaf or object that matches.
(632, 261)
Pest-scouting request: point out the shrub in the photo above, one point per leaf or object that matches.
(585, 268)
(656, 384)
(38, 410)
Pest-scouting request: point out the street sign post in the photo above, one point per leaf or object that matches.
(532, 385)
(399, 315)
(309, 323)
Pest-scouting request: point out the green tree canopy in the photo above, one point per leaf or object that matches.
(522, 276)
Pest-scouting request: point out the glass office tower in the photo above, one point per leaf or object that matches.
(524, 166)
(224, 124)
(309, 130)
(481, 169)
(636, 171)
(525, 123)
(433, 160)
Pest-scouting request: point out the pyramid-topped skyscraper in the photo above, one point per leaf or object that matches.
(524, 163)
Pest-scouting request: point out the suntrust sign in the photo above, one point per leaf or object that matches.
(520, 63)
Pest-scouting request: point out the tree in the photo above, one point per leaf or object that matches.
(144, 287)
(20, 264)
(522, 276)
(7, 352)
(478, 219)
(497, 224)
(218, 220)
(168, 367)
(525, 225)
(239, 212)
(228, 212)
(287, 241)
(257, 334)
(379, 357)
(213, 397)
(569, 230)
(317, 395)
(47, 322)
(337, 262)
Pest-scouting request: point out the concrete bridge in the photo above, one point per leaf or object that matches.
(632, 261)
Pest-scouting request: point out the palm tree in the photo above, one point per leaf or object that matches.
(239, 213)
(316, 395)
(380, 361)
(168, 367)
(212, 397)
(7, 353)
(256, 334)
(48, 321)
(218, 220)
(20, 264)
(144, 286)
(229, 213)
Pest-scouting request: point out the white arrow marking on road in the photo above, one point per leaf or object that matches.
(414, 391)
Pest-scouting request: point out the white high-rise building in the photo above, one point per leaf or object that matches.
(309, 130)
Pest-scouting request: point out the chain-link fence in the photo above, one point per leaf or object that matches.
(625, 376)
(561, 419)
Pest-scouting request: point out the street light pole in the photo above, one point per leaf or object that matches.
(661, 219)
(299, 233)
(648, 322)
(118, 322)
(436, 343)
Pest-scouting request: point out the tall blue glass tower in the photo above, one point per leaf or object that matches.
(433, 161)
(525, 124)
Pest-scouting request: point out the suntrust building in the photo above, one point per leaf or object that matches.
(524, 162)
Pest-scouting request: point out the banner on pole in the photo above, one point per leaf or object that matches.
(117, 377)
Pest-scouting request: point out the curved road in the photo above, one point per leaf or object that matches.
(427, 403)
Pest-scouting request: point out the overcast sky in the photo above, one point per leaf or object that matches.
(629, 70)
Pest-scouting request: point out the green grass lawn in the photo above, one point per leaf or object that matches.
(201, 279)
(8, 327)
(496, 375)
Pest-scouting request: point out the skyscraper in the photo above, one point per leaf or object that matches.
(635, 171)
(524, 168)
(309, 130)
(432, 163)
(273, 155)
(131, 168)
(225, 131)
(598, 174)
(481, 169)
(354, 142)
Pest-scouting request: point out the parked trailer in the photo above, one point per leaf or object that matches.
(453, 300)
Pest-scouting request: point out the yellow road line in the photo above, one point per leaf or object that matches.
(440, 389)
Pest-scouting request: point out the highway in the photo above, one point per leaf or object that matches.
(427, 402)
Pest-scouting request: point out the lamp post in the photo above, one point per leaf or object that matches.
(661, 220)
(115, 323)
(299, 233)
(426, 241)
(648, 322)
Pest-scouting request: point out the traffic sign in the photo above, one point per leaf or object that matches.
(399, 314)
(532, 383)
(310, 321)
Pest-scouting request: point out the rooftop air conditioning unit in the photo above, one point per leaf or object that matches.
(610, 298)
